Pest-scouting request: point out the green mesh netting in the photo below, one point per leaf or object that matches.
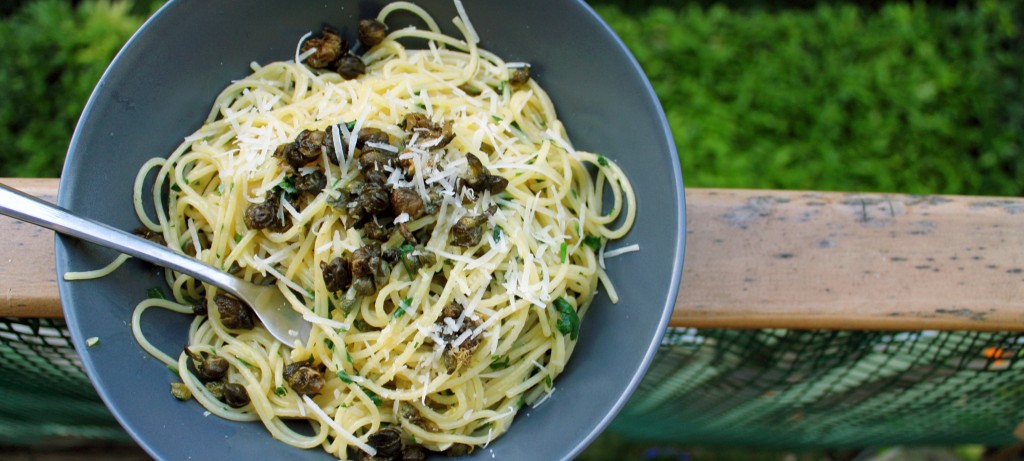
(769, 388)
(830, 389)
(44, 392)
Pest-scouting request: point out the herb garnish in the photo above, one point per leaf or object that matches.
(568, 321)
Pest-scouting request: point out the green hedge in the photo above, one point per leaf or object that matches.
(51, 56)
(901, 97)
(825, 95)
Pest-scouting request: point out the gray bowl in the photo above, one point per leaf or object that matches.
(159, 89)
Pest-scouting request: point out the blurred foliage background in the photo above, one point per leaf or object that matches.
(887, 96)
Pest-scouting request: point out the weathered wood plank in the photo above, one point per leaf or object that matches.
(760, 259)
(792, 259)
(28, 279)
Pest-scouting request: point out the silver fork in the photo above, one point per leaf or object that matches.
(273, 309)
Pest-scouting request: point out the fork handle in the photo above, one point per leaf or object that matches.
(30, 209)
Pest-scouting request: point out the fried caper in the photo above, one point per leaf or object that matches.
(199, 307)
(180, 391)
(373, 198)
(374, 231)
(375, 160)
(416, 121)
(371, 32)
(520, 75)
(311, 143)
(336, 274)
(387, 442)
(407, 201)
(303, 378)
(235, 395)
(290, 154)
(234, 314)
(350, 67)
(312, 183)
(329, 47)
(209, 367)
(371, 135)
(265, 215)
(479, 179)
(468, 231)
(147, 234)
(456, 357)
(410, 414)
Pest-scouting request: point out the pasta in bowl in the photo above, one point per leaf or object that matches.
(424, 208)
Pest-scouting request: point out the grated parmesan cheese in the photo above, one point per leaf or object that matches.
(319, 412)
(299, 56)
(620, 251)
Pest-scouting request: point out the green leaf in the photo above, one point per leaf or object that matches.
(568, 320)
(499, 363)
(601, 160)
(563, 252)
(593, 242)
(401, 308)
(345, 378)
(286, 186)
(155, 293)
(280, 391)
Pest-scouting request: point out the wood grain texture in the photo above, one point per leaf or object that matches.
(28, 278)
(789, 259)
(759, 259)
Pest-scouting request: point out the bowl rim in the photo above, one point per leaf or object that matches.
(67, 186)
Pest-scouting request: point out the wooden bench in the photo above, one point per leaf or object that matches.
(759, 259)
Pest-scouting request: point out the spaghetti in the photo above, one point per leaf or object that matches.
(440, 312)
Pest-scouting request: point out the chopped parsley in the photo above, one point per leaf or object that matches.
(547, 380)
(286, 187)
(568, 321)
(373, 397)
(329, 343)
(563, 252)
(345, 378)
(155, 293)
(280, 391)
(497, 363)
(400, 310)
(601, 160)
(593, 242)
(238, 238)
(350, 125)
